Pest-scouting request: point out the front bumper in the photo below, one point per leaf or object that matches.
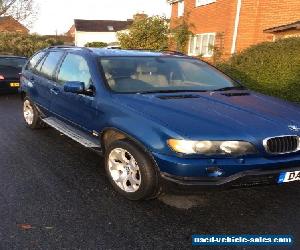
(190, 173)
(241, 180)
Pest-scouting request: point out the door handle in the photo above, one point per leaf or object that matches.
(54, 91)
(32, 79)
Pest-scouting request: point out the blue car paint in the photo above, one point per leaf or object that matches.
(151, 121)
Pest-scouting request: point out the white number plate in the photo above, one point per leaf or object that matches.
(289, 177)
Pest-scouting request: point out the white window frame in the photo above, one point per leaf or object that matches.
(110, 28)
(180, 7)
(197, 43)
(204, 2)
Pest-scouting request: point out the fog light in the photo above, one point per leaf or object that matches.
(214, 172)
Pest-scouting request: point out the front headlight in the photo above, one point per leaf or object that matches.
(212, 147)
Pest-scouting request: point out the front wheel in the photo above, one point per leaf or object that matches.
(131, 171)
(31, 115)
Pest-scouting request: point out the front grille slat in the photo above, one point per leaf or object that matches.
(287, 144)
(282, 144)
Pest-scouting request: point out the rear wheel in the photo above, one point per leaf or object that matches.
(131, 171)
(31, 115)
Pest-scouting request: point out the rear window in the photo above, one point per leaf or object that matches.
(50, 63)
(13, 62)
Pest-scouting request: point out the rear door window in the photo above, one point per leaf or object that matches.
(48, 67)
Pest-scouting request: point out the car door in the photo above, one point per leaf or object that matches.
(78, 109)
(30, 78)
(42, 79)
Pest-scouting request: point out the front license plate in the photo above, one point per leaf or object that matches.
(289, 177)
(14, 84)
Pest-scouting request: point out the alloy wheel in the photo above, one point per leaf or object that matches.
(124, 170)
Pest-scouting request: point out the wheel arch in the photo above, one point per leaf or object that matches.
(111, 134)
(117, 134)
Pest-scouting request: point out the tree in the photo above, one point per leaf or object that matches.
(146, 33)
(24, 11)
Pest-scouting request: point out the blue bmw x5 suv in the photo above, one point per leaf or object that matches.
(162, 119)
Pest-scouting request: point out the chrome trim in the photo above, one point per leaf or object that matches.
(294, 128)
(280, 136)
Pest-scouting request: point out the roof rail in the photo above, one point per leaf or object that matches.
(67, 47)
(173, 52)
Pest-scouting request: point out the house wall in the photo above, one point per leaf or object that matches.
(255, 16)
(258, 15)
(71, 32)
(82, 38)
(216, 17)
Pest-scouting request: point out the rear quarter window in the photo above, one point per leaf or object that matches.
(34, 60)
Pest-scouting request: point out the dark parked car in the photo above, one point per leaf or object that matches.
(10, 69)
(162, 118)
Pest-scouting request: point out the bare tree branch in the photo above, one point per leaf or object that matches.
(25, 11)
(5, 5)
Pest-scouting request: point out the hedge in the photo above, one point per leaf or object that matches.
(23, 44)
(272, 68)
(96, 44)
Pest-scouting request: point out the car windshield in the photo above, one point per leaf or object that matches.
(162, 74)
(14, 62)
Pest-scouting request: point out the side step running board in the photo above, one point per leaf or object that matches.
(73, 133)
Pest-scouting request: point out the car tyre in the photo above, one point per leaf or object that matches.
(131, 171)
(31, 115)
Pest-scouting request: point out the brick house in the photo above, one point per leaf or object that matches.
(9, 24)
(232, 25)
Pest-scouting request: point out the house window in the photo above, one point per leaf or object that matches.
(180, 8)
(204, 2)
(202, 44)
(110, 28)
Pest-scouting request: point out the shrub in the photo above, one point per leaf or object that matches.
(272, 68)
(96, 45)
(181, 33)
(146, 33)
(24, 45)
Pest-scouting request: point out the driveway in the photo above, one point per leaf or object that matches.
(54, 195)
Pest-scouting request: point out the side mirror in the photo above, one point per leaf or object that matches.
(74, 87)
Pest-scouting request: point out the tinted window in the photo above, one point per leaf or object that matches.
(75, 68)
(50, 63)
(151, 74)
(12, 62)
(38, 67)
(34, 60)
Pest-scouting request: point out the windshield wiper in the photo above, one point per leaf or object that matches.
(230, 88)
(169, 91)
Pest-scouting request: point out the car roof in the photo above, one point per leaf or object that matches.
(11, 56)
(119, 52)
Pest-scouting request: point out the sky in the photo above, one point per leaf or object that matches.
(58, 15)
